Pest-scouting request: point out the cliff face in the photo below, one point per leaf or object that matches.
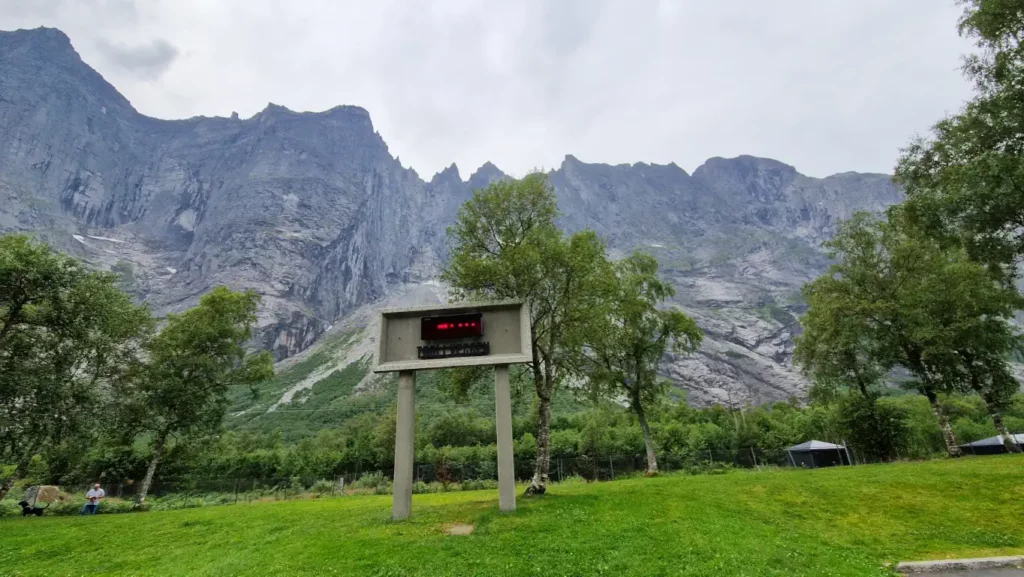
(308, 209)
(313, 212)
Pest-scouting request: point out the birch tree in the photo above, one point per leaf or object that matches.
(965, 181)
(505, 245)
(190, 365)
(629, 337)
(897, 298)
(67, 335)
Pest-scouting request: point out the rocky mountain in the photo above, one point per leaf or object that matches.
(312, 211)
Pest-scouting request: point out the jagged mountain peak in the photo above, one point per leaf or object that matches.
(41, 62)
(345, 111)
(763, 179)
(570, 163)
(41, 39)
(448, 175)
(311, 210)
(485, 175)
(745, 164)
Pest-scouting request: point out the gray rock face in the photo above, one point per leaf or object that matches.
(738, 239)
(308, 209)
(313, 212)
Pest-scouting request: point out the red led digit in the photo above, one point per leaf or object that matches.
(451, 327)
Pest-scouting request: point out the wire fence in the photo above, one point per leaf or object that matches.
(448, 476)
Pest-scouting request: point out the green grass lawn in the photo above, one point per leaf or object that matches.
(827, 522)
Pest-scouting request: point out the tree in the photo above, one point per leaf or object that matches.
(965, 184)
(896, 298)
(67, 336)
(878, 429)
(181, 390)
(505, 245)
(625, 346)
(987, 373)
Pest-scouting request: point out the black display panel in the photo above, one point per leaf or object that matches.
(451, 327)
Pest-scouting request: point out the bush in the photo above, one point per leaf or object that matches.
(968, 431)
(479, 485)
(376, 481)
(880, 431)
(323, 487)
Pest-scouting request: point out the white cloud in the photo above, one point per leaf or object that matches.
(825, 86)
(145, 61)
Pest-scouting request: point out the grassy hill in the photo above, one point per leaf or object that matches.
(332, 383)
(839, 522)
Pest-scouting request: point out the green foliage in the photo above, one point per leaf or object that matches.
(881, 431)
(192, 363)
(125, 272)
(624, 344)
(964, 184)
(68, 335)
(181, 391)
(776, 313)
(505, 245)
(894, 298)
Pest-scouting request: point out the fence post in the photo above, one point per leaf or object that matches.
(236, 491)
(710, 456)
(611, 466)
(754, 456)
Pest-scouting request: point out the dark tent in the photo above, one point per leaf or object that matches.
(814, 454)
(991, 445)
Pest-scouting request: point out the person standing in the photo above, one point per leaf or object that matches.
(92, 500)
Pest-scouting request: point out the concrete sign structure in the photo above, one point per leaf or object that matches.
(445, 336)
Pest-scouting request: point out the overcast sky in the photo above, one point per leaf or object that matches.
(825, 85)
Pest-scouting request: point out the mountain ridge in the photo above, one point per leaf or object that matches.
(312, 210)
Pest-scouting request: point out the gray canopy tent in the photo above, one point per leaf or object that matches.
(991, 445)
(814, 454)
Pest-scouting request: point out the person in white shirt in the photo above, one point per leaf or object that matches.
(92, 500)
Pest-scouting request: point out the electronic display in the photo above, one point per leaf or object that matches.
(451, 327)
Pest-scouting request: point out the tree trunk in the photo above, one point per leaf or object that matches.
(947, 432)
(541, 467)
(652, 459)
(19, 472)
(1008, 440)
(158, 453)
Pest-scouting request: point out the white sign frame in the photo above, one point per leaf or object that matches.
(524, 356)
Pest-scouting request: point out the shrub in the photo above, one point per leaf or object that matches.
(479, 484)
(323, 487)
(879, 430)
(369, 481)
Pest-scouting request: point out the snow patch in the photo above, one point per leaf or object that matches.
(105, 238)
(187, 219)
(79, 238)
(172, 270)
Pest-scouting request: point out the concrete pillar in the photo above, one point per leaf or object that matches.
(503, 423)
(405, 452)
